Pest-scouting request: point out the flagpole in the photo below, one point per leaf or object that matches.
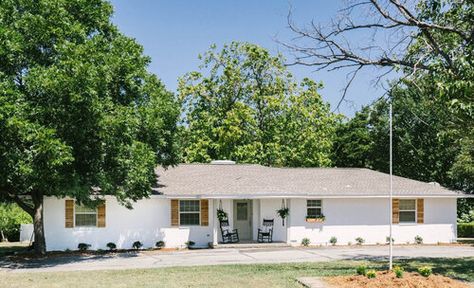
(391, 192)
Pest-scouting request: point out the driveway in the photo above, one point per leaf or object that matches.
(157, 259)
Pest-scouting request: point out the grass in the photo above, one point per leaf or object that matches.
(8, 248)
(257, 275)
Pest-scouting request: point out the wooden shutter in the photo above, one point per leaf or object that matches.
(101, 215)
(174, 212)
(69, 218)
(420, 211)
(204, 212)
(395, 211)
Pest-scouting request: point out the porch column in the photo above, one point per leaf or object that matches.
(215, 237)
(288, 221)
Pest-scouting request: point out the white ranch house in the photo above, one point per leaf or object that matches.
(354, 203)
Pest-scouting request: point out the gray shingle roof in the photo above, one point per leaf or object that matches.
(239, 180)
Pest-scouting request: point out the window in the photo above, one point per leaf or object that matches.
(85, 216)
(189, 212)
(407, 211)
(314, 208)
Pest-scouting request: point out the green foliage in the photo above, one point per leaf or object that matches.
(398, 271)
(305, 242)
(361, 270)
(83, 246)
(245, 106)
(11, 216)
(78, 108)
(160, 244)
(360, 240)
(111, 246)
(425, 271)
(190, 244)
(333, 240)
(371, 274)
(221, 214)
(283, 212)
(137, 245)
(418, 239)
(466, 230)
(387, 240)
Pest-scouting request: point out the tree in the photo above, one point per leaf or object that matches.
(245, 106)
(80, 116)
(11, 217)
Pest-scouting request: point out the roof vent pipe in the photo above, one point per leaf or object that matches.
(222, 162)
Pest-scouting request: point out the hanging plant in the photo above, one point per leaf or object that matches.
(283, 213)
(221, 214)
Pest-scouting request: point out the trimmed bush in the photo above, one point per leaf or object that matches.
(361, 270)
(360, 240)
(425, 271)
(83, 246)
(190, 244)
(398, 271)
(111, 246)
(160, 244)
(466, 230)
(418, 239)
(333, 240)
(137, 245)
(387, 240)
(305, 242)
(371, 274)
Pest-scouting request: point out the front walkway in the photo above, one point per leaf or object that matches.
(157, 259)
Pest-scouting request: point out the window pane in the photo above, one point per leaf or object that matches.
(314, 212)
(242, 211)
(81, 208)
(407, 204)
(314, 203)
(189, 205)
(407, 216)
(86, 219)
(189, 219)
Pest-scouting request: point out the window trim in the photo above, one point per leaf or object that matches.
(189, 212)
(400, 222)
(86, 213)
(313, 207)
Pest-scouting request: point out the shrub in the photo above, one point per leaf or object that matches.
(333, 240)
(11, 216)
(190, 244)
(349, 243)
(371, 274)
(361, 270)
(387, 240)
(160, 244)
(137, 245)
(83, 246)
(425, 271)
(111, 246)
(360, 240)
(418, 239)
(305, 242)
(398, 271)
(466, 230)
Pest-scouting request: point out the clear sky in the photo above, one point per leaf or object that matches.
(174, 32)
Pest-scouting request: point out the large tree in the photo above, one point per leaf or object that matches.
(80, 116)
(244, 105)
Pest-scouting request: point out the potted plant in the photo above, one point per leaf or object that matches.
(283, 213)
(221, 214)
(316, 219)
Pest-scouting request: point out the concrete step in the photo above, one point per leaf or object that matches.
(251, 244)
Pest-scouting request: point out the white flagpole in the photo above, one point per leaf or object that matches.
(391, 191)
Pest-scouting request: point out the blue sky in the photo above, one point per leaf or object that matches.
(174, 32)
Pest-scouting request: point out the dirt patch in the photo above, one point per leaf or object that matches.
(387, 279)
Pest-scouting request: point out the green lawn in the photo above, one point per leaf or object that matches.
(274, 275)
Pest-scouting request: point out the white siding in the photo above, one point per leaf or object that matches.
(347, 219)
(148, 222)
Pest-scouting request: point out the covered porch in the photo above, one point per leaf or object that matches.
(246, 215)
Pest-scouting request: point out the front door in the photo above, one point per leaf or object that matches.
(243, 218)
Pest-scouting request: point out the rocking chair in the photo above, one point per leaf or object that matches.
(266, 232)
(228, 235)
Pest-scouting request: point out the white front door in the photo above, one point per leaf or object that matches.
(243, 218)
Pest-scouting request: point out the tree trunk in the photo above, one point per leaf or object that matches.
(39, 243)
(2, 237)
